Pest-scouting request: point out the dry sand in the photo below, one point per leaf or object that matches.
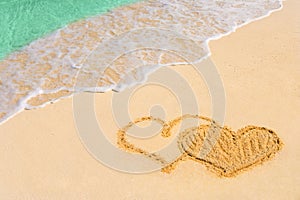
(42, 157)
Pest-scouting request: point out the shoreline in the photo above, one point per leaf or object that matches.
(35, 92)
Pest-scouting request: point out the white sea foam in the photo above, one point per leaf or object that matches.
(47, 69)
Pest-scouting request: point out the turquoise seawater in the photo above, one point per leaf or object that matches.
(22, 21)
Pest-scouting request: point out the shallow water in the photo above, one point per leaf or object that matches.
(22, 21)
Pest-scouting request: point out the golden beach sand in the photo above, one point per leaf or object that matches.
(42, 157)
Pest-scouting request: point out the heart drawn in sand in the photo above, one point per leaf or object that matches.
(233, 152)
(223, 151)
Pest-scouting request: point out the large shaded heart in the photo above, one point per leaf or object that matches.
(233, 152)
